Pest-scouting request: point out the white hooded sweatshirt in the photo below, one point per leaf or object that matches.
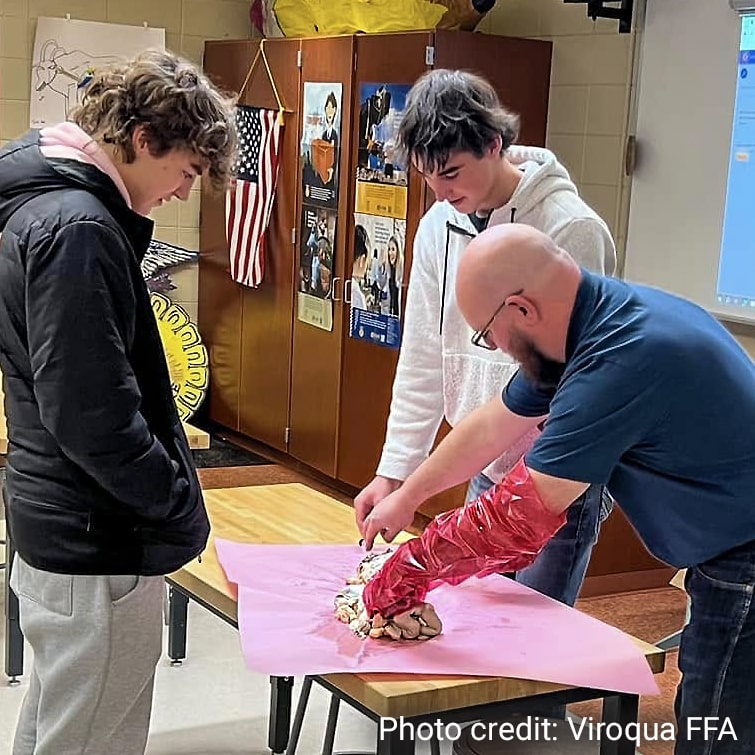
(440, 373)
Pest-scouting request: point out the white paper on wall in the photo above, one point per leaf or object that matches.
(66, 55)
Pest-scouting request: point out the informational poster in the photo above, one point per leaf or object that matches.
(380, 218)
(316, 259)
(382, 175)
(320, 143)
(376, 277)
(319, 183)
(67, 54)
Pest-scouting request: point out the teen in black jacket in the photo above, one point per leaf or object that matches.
(100, 480)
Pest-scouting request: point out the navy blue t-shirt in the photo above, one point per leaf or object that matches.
(657, 402)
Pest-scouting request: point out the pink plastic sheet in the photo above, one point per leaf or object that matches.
(491, 626)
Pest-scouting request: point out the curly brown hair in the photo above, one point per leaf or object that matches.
(173, 100)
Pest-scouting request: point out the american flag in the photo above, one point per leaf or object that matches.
(250, 200)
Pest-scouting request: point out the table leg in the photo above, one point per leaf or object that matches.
(621, 710)
(280, 712)
(178, 609)
(330, 728)
(301, 709)
(14, 638)
(393, 743)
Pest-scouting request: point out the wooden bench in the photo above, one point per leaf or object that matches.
(294, 513)
(198, 439)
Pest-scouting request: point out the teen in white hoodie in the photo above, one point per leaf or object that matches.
(458, 135)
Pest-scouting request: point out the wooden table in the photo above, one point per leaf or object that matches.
(274, 514)
(293, 513)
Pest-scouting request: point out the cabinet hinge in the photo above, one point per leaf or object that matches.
(430, 55)
(298, 58)
(287, 436)
(293, 236)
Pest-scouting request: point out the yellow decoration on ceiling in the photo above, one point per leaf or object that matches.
(185, 354)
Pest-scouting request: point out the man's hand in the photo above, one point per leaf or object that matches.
(365, 502)
(388, 517)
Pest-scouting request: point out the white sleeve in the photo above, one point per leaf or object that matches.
(589, 241)
(417, 403)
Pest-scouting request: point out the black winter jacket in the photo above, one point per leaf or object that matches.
(100, 478)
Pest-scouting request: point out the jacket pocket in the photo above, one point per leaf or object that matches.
(39, 528)
(185, 495)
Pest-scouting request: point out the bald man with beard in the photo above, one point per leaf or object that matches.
(643, 392)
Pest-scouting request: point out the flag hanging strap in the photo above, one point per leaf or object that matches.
(270, 77)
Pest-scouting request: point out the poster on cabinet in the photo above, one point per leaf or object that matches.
(379, 217)
(67, 53)
(316, 260)
(319, 212)
(376, 277)
(382, 174)
(320, 144)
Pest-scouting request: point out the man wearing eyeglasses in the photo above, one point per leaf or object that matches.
(644, 392)
(459, 137)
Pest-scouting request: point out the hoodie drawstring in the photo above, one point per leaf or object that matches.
(462, 232)
(467, 234)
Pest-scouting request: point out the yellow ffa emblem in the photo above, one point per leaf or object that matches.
(185, 354)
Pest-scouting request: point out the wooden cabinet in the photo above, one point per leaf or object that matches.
(316, 367)
(220, 299)
(319, 395)
(266, 325)
(368, 371)
(248, 331)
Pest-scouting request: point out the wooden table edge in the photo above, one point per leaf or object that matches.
(382, 693)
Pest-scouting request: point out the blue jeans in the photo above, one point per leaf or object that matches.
(560, 568)
(717, 657)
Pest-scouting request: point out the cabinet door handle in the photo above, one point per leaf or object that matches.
(333, 287)
(347, 291)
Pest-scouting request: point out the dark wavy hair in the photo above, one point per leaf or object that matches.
(448, 111)
(173, 100)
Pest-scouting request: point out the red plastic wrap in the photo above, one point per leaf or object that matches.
(501, 531)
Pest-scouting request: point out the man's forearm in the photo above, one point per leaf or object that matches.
(480, 438)
(502, 530)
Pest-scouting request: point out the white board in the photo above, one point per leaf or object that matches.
(66, 54)
(687, 88)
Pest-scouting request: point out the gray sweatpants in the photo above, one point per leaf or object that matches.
(96, 642)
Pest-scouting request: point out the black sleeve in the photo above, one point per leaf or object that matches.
(79, 302)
